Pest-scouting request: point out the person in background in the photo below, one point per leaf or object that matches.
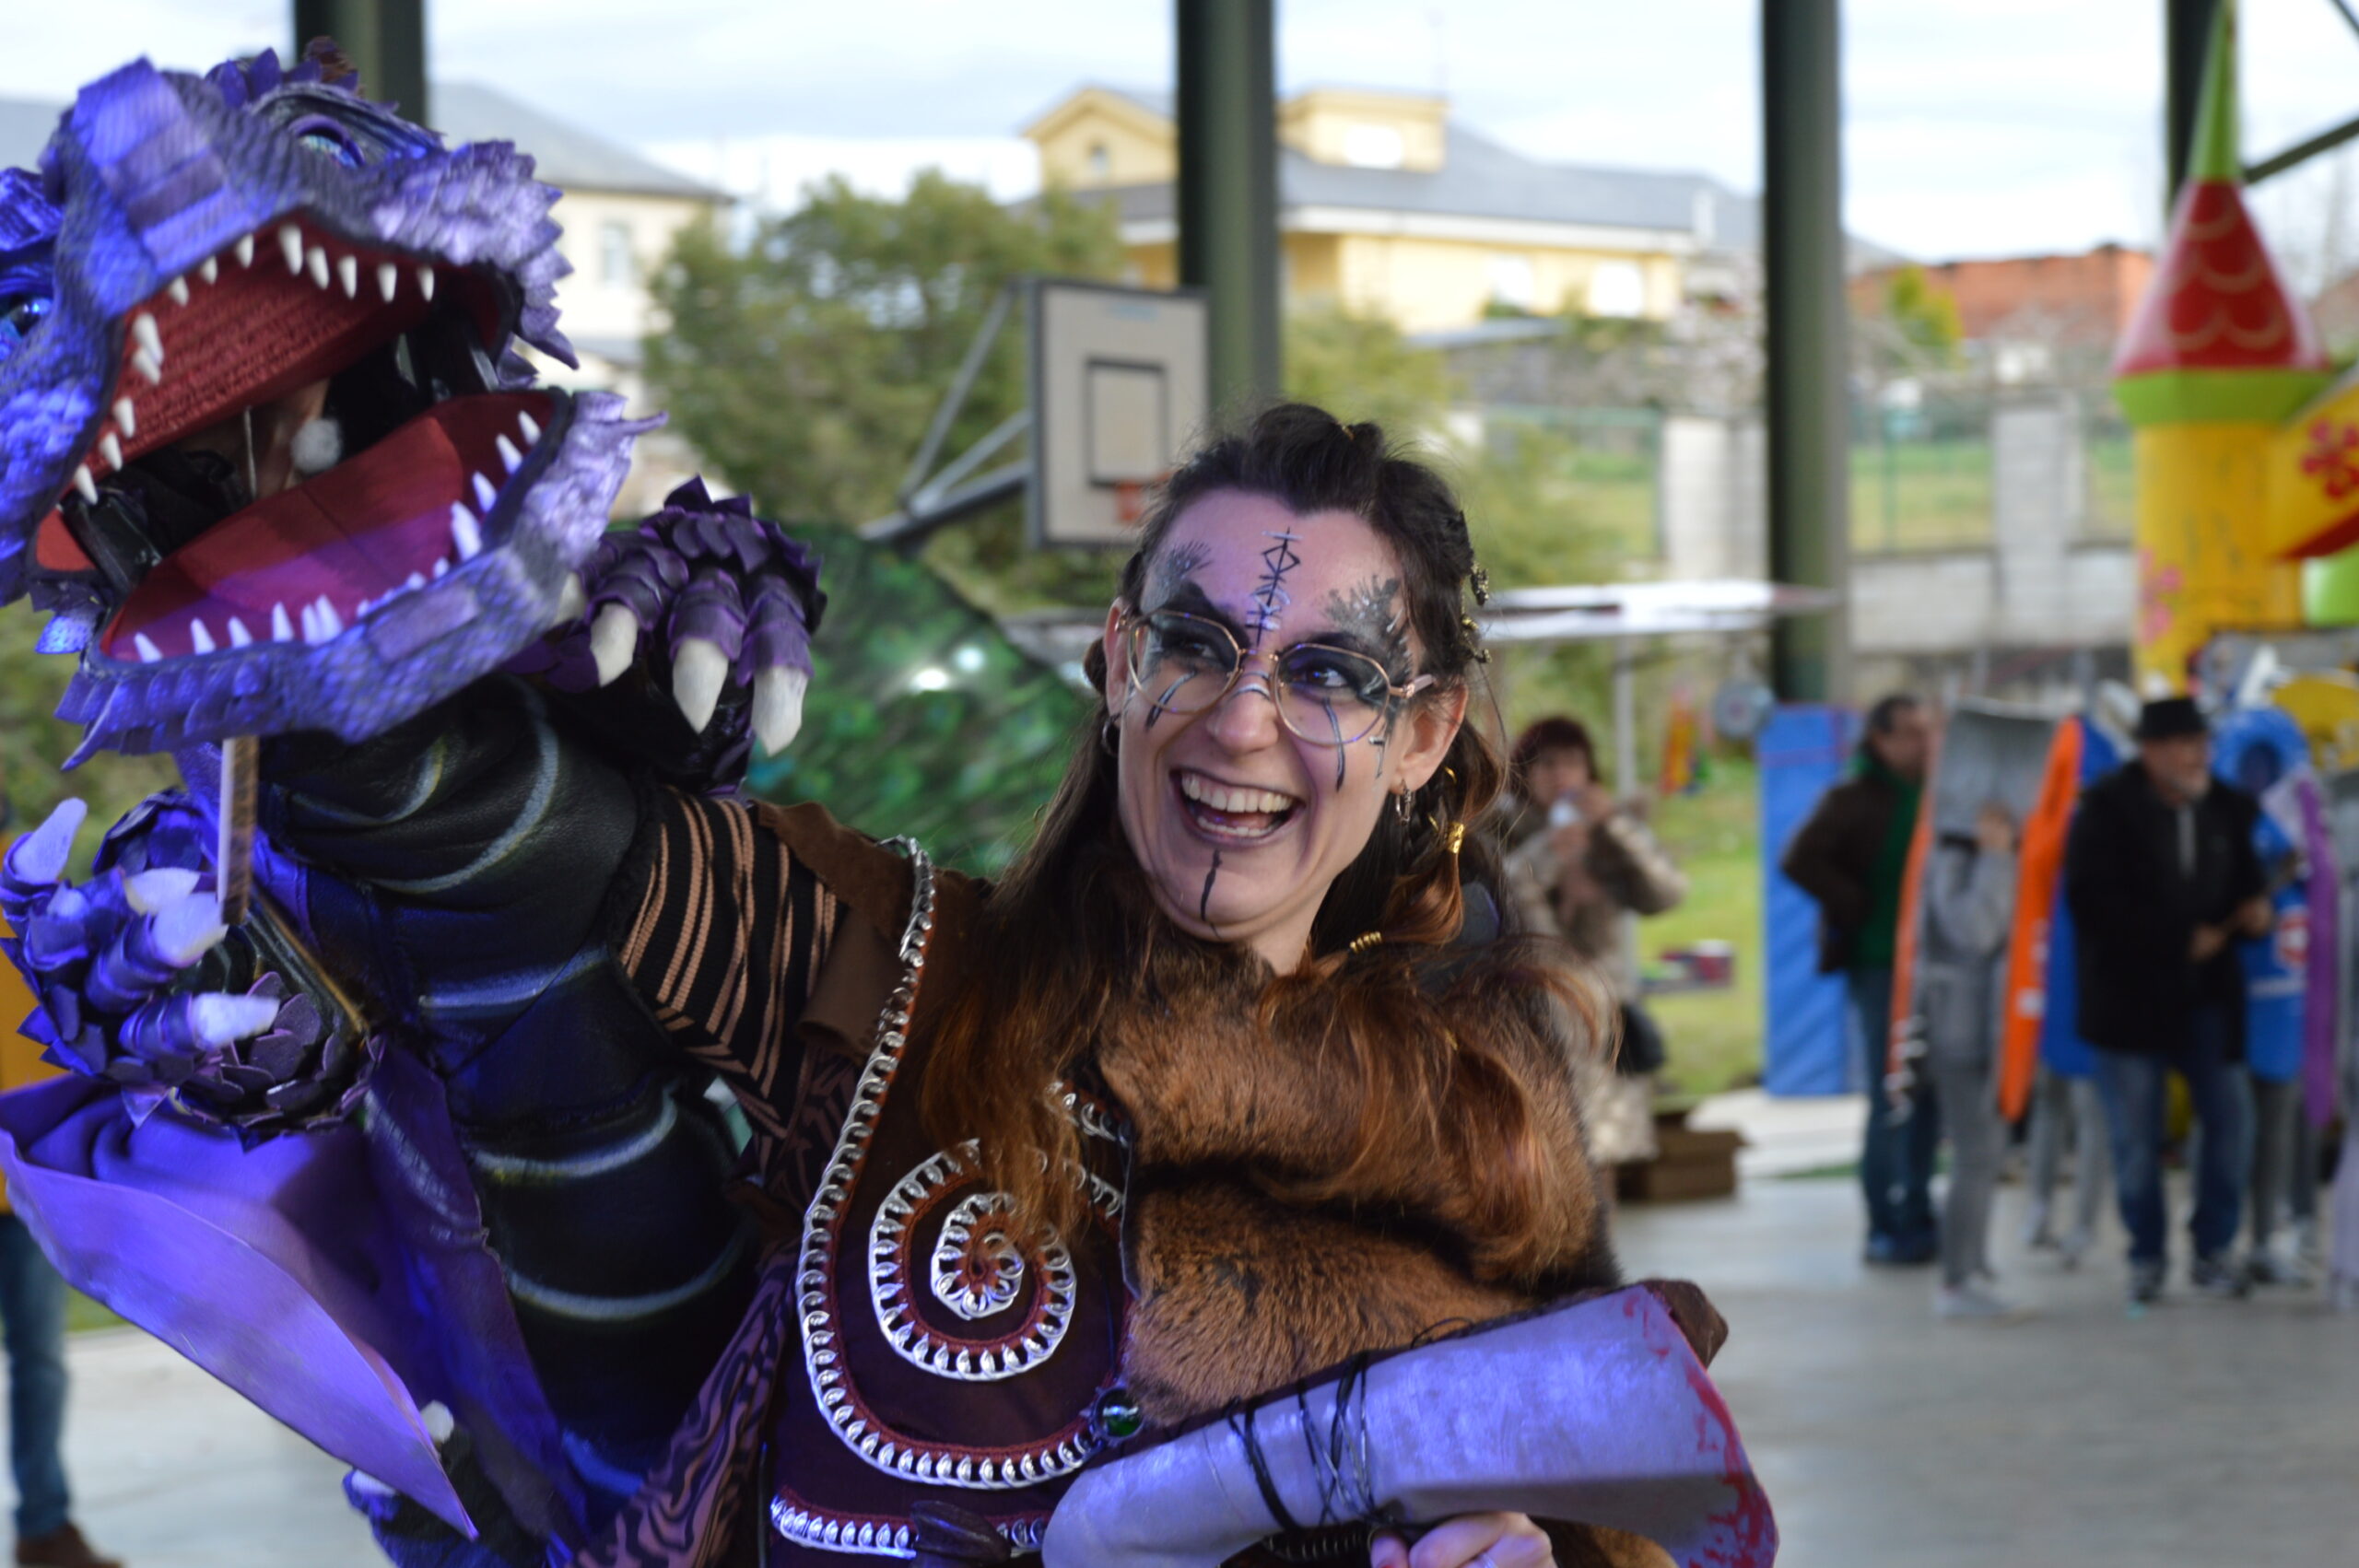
(1851, 857)
(2161, 878)
(1970, 911)
(2066, 1109)
(32, 1325)
(1585, 861)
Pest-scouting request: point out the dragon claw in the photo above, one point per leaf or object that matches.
(183, 930)
(699, 668)
(218, 1018)
(39, 857)
(572, 599)
(778, 706)
(151, 892)
(614, 640)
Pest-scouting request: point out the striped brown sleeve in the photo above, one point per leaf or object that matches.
(726, 942)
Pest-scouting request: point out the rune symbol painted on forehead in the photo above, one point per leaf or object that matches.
(1270, 596)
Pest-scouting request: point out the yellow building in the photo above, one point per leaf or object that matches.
(1388, 208)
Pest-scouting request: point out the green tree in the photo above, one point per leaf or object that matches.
(1360, 367)
(1925, 313)
(34, 744)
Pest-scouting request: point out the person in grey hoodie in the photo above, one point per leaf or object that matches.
(1969, 912)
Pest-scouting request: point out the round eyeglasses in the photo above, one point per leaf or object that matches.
(1330, 697)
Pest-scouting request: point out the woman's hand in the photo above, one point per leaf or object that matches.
(1472, 1541)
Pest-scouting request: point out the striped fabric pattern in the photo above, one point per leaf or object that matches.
(727, 944)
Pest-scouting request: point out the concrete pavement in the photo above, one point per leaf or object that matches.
(2202, 1433)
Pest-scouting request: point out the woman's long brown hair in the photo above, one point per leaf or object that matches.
(1070, 934)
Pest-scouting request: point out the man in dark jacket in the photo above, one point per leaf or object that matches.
(1851, 857)
(2161, 878)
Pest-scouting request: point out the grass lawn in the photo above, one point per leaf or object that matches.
(1713, 1038)
(1921, 495)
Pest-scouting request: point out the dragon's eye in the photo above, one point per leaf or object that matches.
(329, 142)
(18, 316)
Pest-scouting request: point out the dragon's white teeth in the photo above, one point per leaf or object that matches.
(209, 270)
(530, 428)
(509, 455)
(148, 652)
(464, 531)
(425, 282)
(178, 289)
(331, 624)
(239, 635)
(148, 366)
(111, 449)
(291, 245)
(415, 581)
(309, 615)
(125, 417)
(347, 272)
(199, 637)
(87, 487)
(441, 565)
(144, 333)
(316, 260)
(282, 630)
(246, 251)
(389, 279)
(486, 493)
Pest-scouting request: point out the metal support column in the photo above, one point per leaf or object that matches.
(1807, 381)
(1228, 187)
(2187, 44)
(385, 39)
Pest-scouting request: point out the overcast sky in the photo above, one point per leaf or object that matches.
(1974, 127)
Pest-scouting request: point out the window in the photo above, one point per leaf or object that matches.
(1102, 162)
(1375, 147)
(1510, 279)
(618, 257)
(1616, 288)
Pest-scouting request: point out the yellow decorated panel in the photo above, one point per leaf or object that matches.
(2203, 568)
(2314, 477)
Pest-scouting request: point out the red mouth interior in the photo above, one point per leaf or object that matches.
(364, 531)
(290, 305)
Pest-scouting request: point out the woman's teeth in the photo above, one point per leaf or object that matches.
(1235, 814)
(1221, 798)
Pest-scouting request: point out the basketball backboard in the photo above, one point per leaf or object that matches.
(1119, 383)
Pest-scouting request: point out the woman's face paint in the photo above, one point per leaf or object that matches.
(1240, 825)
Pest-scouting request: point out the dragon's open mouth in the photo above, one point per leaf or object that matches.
(415, 467)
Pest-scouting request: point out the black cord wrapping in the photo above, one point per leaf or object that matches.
(1340, 1459)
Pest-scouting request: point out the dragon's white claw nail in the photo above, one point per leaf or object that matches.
(219, 1017)
(778, 708)
(699, 668)
(362, 1482)
(41, 855)
(185, 930)
(613, 638)
(148, 892)
(439, 1424)
(571, 599)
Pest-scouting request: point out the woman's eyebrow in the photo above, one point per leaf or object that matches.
(1189, 597)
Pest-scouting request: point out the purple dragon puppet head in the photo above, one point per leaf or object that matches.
(256, 283)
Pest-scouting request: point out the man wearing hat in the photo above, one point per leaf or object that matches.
(2161, 878)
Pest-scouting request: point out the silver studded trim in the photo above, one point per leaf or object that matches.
(892, 1452)
(976, 1224)
(868, 1538)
